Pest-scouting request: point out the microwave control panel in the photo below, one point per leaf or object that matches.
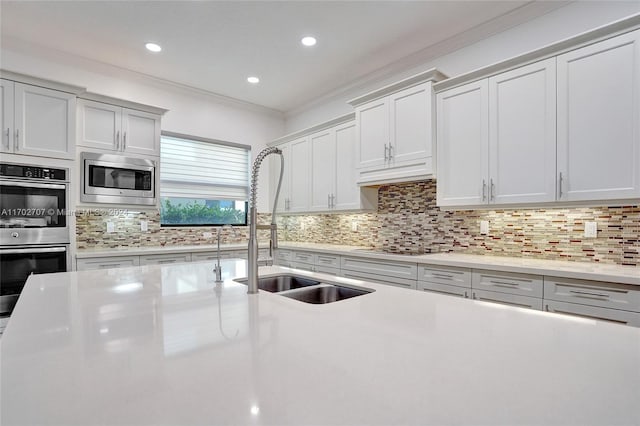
(32, 172)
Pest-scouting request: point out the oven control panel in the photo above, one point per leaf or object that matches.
(32, 172)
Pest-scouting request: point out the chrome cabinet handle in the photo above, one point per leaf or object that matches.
(8, 138)
(118, 140)
(17, 142)
(333, 201)
(491, 190)
(466, 295)
(390, 148)
(385, 152)
(587, 294)
(328, 200)
(504, 283)
(124, 140)
(560, 185)
(484, 190)
(441, 275)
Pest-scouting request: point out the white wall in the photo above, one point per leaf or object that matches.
(191, 111)
(559, 24)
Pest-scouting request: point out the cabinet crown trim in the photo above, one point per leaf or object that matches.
(40, 82)
(96, 97)
(430, 75)
(613, 29)
(315, 128)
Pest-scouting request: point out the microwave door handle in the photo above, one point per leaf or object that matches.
(34, 185)
(34, 250)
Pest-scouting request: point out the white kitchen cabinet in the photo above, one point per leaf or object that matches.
(299, 188)
(107, 262)
(594, 293)
(115, 128)
(497, 139)
(599, 120)
(593, 312)
(394, 130)
(450, 290)
(37, 121)
(507, 299)
(283, 257)
(334, 172)
(375, 266)
(161, 259)
(463, 145)
(522, 135)
(507, 282)
(380, 279)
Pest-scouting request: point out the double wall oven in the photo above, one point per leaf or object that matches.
(34, 229)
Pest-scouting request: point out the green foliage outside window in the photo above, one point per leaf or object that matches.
(199, 213)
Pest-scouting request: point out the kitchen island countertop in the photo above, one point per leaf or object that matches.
(166, 345)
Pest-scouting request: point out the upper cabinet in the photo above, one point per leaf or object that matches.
(394, 130)
(321, 170)
(599, 120)
(112, 127)
(37, 121)
(564, 128)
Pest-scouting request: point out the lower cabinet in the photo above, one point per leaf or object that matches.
(593, 312)
(107, 262)
(507, 299)
(613, 302)
(445, 280)
(316, 262)
(159, 259)
(381, 279)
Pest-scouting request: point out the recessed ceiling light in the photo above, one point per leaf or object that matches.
(153, 47)
(253, 80)
(308, 41)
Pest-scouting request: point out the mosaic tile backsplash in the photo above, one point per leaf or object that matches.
(408, 221)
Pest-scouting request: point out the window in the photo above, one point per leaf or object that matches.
(202, 182)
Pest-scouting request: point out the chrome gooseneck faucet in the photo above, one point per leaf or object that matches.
(253, 226)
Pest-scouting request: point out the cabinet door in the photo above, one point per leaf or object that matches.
(450, 290)
(463, 145)
(410, 124)
(99, 125)
(323, 169)
(599, 120)
(6, 115)
(276, 164)
(299, 200)
(45, 122)
(140, 132)
(107, 262)
(507, 299)
(373, 133)
(347, 192)
(161, 259)
(522, 134)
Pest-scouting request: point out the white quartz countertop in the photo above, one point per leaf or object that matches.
(164, 345)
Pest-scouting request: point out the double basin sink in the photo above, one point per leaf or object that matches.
(307, 289)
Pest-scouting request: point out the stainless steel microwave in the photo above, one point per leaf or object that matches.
(114, 179)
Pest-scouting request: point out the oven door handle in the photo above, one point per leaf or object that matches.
(33, 185)
(34, 250)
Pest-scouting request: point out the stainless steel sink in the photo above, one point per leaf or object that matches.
(280, 283)
(325, 294)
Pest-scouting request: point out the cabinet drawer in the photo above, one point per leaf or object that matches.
(507, 299)
(451, 290)
(283, 255)
(304, 266)
(328, 260)
(107, 263)
(303, 257)
(445, 275)
(157, 259)
(593, 312)
(504, 282)
(374, 278)
(407, 271)
(327, 270)
(209, 255)
(593, 293)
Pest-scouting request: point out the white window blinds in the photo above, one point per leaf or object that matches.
(196, 168)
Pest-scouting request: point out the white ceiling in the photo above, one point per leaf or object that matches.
(216, 45)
